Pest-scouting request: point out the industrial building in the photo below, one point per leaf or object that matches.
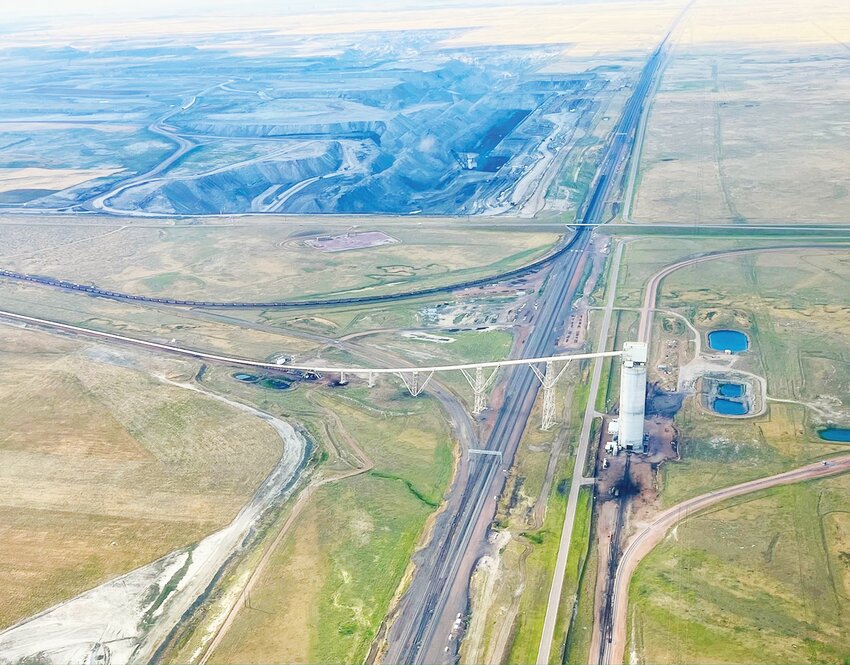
(632, 396)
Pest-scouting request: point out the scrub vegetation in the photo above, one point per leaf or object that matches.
(761, 579)
(267, 260)
(329, 584)
(741, 130)
(793, 307)
(510, 593)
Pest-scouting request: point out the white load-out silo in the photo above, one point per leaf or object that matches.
(632, 396)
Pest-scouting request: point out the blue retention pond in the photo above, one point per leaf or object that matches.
(728, 407)
(730, 390)
(728, 340)
(835, 434)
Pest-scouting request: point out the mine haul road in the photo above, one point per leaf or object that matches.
(652, 534)
(421, 629)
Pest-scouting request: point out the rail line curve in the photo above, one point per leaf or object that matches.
(68, 285)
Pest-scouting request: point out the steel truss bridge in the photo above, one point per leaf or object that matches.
(479, 376)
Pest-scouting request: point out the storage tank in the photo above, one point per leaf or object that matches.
(632, 396)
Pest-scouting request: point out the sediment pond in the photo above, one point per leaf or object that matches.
(263, 381)
(729, 407)
(728, 340)
(835, 434)
(730, 390)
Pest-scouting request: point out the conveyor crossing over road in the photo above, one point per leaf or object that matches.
(439, 588)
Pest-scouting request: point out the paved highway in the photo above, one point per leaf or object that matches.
(426, 613)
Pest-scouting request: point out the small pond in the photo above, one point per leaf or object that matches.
(264, 381)
(728, 340)
(835, 434)
(730, 389)
(729, 407)
(275, 384)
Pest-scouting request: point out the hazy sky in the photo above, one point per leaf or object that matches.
(47, 8)
(16, 10)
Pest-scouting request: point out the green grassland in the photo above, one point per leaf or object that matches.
(327, 587)
(759, 579)
(623, 329)
(762, 578)
(329, 584)
(345, 320)
(514, 619)
(542, 546)
(576, 647)
(794, 307)
(465, 347)
(570, 635)
(645, 256)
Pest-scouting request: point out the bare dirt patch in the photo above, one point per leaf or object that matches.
(349, 241)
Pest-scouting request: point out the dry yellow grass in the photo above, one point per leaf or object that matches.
(37, 178)
(264, 262)
(586, 27)
(283, 614)
(746, 123)
(210, 331)
(104, 468)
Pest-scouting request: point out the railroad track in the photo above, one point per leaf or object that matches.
(67, 285)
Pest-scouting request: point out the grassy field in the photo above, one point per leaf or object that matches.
(794, 307)
(760, 579)
(539, 565)
(765, 578)
(329, 584)
(532, 511)
(209, 331)
(340, 321)
(103, 467)
(643, 257)
(458, 347)
(578, 636)
(467, 347)
(578, 565)
(263, 261)
(327, 588)
(623, 329)
(742, 130)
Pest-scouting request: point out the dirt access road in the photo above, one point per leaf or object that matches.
(650, 297)
(653, 533)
